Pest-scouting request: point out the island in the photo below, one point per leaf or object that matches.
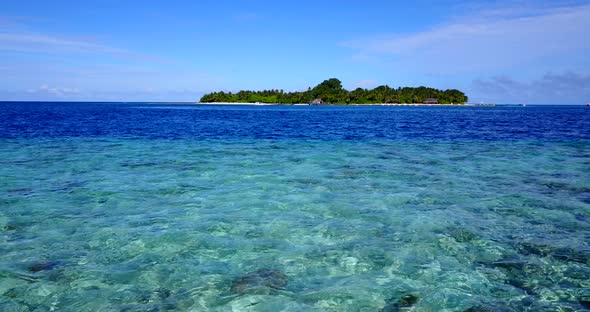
(331, 92)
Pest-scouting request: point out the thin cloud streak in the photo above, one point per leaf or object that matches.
(53, 44)
(245, 17)
(36, 42)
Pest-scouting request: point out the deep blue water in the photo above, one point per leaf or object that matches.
(138, 120)
(153, 207)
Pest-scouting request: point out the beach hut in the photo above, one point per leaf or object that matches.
(431, 101)
(316, 102)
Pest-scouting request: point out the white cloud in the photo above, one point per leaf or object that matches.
(565, 88)
(84, 69)
(480, 43)
(48, 93)
(44, 89)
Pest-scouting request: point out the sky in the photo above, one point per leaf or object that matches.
(496, 51)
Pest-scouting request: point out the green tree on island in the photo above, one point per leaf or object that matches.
(331, 92)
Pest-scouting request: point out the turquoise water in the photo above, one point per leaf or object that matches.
(171, 217)
(134, 225)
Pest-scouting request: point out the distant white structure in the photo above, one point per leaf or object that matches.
(316, 102)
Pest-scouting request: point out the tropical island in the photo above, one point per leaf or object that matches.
(331, 92)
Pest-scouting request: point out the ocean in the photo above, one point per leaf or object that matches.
(155, 207)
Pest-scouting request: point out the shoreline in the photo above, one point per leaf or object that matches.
(377, 104)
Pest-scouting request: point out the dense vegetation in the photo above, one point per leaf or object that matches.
(332, 92)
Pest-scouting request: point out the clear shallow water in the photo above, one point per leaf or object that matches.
(123, 208)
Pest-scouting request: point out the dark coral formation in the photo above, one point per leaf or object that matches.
(267, 278)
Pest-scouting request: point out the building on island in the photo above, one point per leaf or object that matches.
(431, 101)
(316, 102)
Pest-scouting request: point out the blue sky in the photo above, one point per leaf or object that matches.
(503, 51)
